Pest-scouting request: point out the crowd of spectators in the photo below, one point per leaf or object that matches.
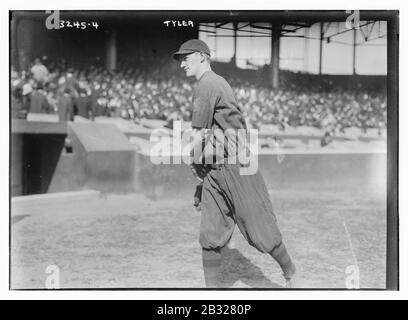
(161, 91)
(306, 105)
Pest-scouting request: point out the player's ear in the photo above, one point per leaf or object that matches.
(202, 57)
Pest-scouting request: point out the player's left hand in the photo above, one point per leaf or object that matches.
(197, 197)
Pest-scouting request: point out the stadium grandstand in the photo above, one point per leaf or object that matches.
(135, 84)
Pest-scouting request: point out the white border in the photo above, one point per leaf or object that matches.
(204, 5)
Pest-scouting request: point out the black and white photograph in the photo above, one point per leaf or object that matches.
(203, 150)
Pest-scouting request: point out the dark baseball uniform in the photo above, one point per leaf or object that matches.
(229, 197)
(39, 103)
(83, 106)
(65, 108)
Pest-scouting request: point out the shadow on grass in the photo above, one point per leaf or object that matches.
(236, 267)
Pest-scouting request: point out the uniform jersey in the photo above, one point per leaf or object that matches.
(214, 104)
(83, 106)
(39, 103)
(65, 108)
(215, 108)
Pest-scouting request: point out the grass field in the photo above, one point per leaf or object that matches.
(130, 241)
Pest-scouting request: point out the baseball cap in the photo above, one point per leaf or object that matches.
(190, 46)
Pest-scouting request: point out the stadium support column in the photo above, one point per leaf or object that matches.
(306, 50)
(111, 51)
(234, 57)
(321, 47)
(354, 50)
(276, 30)
(14, 43)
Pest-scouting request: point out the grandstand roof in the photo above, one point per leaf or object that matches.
(289, 29)
(288, 17)
(290, 20)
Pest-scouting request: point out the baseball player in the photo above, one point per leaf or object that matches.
(227, 197)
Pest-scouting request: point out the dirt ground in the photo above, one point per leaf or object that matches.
(131, 241)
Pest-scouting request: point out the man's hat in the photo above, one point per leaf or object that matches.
(190, 46)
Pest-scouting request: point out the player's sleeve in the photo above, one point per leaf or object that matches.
(204, 102)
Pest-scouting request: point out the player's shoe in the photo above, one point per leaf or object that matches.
(240, 284)
(295, 282)
(291, 283)
(292, 279)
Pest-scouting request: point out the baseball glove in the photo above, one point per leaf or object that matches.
(199, 171)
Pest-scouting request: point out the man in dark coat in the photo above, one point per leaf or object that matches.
(65, 106)
(39, 102)
(83, 105)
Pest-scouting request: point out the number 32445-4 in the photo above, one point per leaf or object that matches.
(79, 25)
